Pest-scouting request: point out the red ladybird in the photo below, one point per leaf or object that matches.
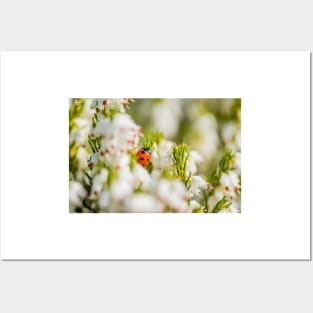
(144, 156)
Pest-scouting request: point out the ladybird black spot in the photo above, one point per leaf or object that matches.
(141, 159)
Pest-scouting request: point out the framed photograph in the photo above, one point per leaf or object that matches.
(223, 137)
(154, 155)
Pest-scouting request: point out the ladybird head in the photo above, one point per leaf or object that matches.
(146, 150)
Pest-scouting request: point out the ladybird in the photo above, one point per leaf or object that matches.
(144, 156)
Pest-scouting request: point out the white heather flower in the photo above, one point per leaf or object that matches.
(124, 160)
(118, 138)
(225, 181)
(77, 136)
(235, 207)
(125, 174)
(80, 133)
(230, 184)
(197, 184)
(166, 117)
(162, 155)
(226, 185)
(94, 103)
(173, 194)
(82, 156)
(217, 196)
(87, 108)
(193, 205)
(124, 120)
(194, 159)
(141, 177)
(108, 105)
(155, 159)
(143, 203)
(76, 194)
(165, 147)
(82, 122)
(116, 105)
(103, 128)
(231, 195)
(155, 177)
(120, 190)
(234, 180)
(104, 200)
(122, 187)
(196, 156)
(98, 183)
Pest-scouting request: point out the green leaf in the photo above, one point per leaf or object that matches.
(196, 210)
(222, 204)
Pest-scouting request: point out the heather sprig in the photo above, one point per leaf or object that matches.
(180, 156)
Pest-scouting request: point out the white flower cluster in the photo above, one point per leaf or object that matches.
(78, 134)
(136, 190)
(156, 195)
(229, 187)
(76, 195)
(118, 137)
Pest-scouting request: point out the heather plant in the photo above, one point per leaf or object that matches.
(106, 146)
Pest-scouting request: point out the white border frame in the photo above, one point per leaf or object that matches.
(274, 87)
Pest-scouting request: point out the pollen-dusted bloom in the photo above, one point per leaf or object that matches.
(230, 184)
